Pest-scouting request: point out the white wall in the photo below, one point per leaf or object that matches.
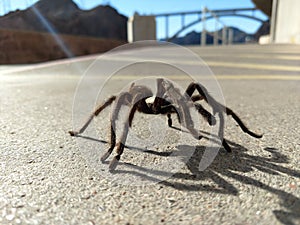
(287, 29)
(141, 28)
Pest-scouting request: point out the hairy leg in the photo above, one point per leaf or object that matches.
(121, 144)
(119, 149)
(121, 100)
(206, 115)
(91, 117)
(241, 124)
(112, 144)
(184, 117)
(217, 106)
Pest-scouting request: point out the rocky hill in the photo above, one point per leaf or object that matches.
(26, 35)
(64, 17)
(22, 47)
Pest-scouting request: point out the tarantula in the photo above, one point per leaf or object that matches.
(168, 100)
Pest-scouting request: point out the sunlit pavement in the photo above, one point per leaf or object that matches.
(45, 179)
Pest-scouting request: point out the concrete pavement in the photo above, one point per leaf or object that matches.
(45, 179)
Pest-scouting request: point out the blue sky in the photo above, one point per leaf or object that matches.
(128, 7)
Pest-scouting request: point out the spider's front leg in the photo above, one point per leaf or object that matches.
(119, 149)
(120, 146)
(112, 143)
(122, 100)
(178, 103)
(95, 113)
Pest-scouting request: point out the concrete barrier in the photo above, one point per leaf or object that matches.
(141, 28)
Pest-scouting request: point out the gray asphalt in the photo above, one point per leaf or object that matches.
(47, 178)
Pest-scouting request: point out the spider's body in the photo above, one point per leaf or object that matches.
(168, 100)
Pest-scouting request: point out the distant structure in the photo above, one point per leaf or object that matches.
(285, 20)
(141, 28)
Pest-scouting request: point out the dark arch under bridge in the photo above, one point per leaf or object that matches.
(211, 14)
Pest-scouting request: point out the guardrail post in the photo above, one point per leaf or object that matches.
(167, 27)
(216, 34)
(203, 34)
(230, 36)
(224, 35)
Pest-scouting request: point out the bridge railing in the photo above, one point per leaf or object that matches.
(203, 16)
(227, 33)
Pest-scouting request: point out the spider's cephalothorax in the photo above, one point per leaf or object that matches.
(168, 100)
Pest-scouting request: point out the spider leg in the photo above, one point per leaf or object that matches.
(141, 106)
(241, 124)
(181, 105)
(206, 115)
(121, 144)
(203, 92)
(196, 98)
(122, 100)
(169, 120)
(217, 108)
(91, 117)
(112, 144)
(187, 121)
(131, 114)
(159, 101)
(119, 149)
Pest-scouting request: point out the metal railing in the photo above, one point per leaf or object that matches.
(203, 16)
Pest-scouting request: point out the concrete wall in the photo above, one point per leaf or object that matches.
(141, 28)
(287, 28)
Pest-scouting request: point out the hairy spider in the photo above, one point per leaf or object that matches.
(168, 100)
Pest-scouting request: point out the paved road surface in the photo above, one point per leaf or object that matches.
(45, 178)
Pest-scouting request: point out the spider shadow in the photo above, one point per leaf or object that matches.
(91, 138)
(127, 146)
(233, 165)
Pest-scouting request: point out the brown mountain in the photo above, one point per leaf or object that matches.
(65, 17)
